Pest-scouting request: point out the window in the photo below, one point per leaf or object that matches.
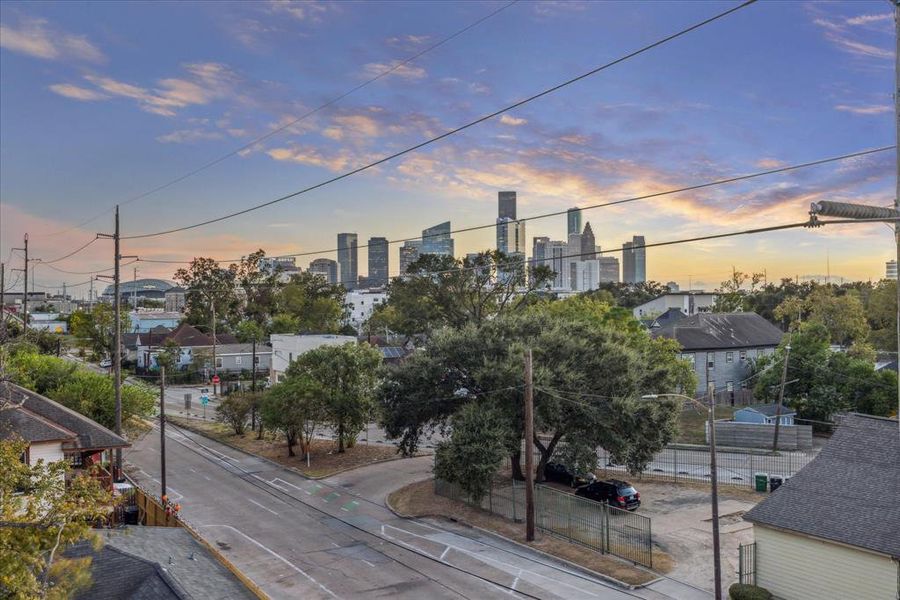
(711, 360)
(689, 358)
(729, 386)
(743, 385)
(255, 360)
(218, 362)
(743, 355)
(729, 357)
(75, 460)
(237, 360)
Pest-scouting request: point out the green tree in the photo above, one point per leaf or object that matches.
(345, 376)
(169, 356)
(210, 289)
(35, 527)
(294, 407)
(470, 458)
(234, 411)
(842, 315)
(313, 304)
(629, 295)
(881, 311)
(96, 329)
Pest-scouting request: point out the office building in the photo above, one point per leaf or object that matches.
(634, 260)
(348, 259)
(327, 268)
(627, 263)
(539, 248)
(409, 253)
(609, 269)
(378, 262)
(584, 275)
(510, 236)
(588, 243)
(437, 240)
(890, 269)
(573, 216)
(556, 254)
(506, 205)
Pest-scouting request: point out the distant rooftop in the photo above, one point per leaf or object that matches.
(141, 285)
(709, 331)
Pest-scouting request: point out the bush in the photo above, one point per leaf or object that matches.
(743, 591)
(234, 411)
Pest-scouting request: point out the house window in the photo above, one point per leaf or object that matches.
(255, 360)
(689, 358)
(218, 362)
(743, 385)
(743, 355)
(237, 360)
(75, 460)
(729, 357)
(711, 360)
(729, 386)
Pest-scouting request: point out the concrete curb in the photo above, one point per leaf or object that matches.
(282, 466)
(488, 532)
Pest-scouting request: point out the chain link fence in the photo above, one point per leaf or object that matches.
(595, 525)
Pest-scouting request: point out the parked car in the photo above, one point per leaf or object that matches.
(561, 474)
(106, 363)
(616, 492)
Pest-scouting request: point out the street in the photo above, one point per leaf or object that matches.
(335, 538)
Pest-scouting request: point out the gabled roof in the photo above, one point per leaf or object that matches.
(712, 331)
(89, 435)
(769, 410)
(848, 493)
(116, 575)
(186, 335)
(20, 422)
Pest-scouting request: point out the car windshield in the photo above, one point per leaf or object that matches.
(627, 491)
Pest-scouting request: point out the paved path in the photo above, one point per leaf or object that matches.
(297, 538)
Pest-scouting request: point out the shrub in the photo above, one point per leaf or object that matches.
(234, 410)
(743, 591)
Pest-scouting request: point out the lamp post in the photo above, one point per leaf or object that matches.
(714, 497)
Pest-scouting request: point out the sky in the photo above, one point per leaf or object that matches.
(103, 102)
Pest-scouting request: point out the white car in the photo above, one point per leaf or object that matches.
(106, 363)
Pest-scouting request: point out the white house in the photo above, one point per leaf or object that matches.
(832, 531)
(360, 305)
(287, 347)
(690, 304)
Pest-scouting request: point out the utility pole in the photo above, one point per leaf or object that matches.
(717, 561)
(897, 194)
(25, 293)
(2, 294)
(134, 291)
(253, 372)
(784, 368)
(212, 302)
(529, 449)
(91, 296)
(162, 429)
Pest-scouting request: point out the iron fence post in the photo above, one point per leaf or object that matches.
(675, 462)
(513, 480)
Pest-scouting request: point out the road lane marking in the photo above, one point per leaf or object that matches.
(262, 507)
(276, 555)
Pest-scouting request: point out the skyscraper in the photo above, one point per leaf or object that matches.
(506, 205)
(557, 252)
(539, 248)
(627, 263)
(510, 236)
(327, 268)
(378, 261)
(409, 253)
(634, 260)
(348, 259)
(609, 269)
(588, 243)
(574, 217)
(437, 240)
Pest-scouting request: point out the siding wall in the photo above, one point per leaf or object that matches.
(761, 435)
(795, 567)
(728, 367)
(49, 451)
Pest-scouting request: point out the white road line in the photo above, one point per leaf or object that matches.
(444, 553)
(262, 507)
(298, 488)
(276, 555)
(368, 563)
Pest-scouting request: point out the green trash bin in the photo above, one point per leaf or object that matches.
(762, 481)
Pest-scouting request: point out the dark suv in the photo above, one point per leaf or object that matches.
(560, 473)
(616, 492)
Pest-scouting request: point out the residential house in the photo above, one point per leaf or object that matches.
(722, 345)
(188, 338)
(765, 414)
(234, 358)
(360, 304)
(666, 318)
(287, 347)
(54, 432)
(690, 303)
(832, 531)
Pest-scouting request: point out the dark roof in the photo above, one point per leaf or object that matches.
(770, 410)
(667, 318)
(30, 427)
(158, 562)
(129, 340)
(710, 331)
(186, 335)
(848, 493)
(392, 352)
(89, 434)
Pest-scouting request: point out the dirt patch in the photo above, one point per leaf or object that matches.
(324, 457)
(692, 424)
(419, 500)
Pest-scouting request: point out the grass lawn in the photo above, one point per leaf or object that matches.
(324, 457)
(692, 424)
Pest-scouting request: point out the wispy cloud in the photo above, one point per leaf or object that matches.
(403, 71)
(845, 33)
(867, 19)
(511, 120)
(302, 10)
(75, 92)
(865, 109)
(189, 136)
(36, 38)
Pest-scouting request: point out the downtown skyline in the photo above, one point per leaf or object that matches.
(671, 128)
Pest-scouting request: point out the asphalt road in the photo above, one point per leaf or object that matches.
(298, 538)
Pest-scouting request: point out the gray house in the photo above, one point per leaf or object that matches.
(765, 414)
(723, 345)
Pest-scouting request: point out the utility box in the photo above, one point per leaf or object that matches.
(762, 481)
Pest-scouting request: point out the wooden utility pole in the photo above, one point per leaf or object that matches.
(529, 449)
(714, 477)
(787, 354)
(117, 343)
(212, 302)
(162, 429)
(2, 294)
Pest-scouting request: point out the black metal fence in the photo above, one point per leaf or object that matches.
(595, 525)
(747, 563)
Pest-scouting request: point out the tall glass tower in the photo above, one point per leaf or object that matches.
(378, 261)
(437, 240)
(348, 262)
(574, 219)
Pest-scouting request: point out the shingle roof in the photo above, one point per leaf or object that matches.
(167, 562)
(23, 423)
(90, 434)
(770, 410)
(848, 493)
(186, 335)
(710, 331)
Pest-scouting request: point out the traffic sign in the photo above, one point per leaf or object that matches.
(215, 379)
(204, 400)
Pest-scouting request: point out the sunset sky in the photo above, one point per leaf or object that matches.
(101, 102)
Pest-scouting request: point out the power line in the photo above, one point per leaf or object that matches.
(302, 117)
(72, 253)
(452, 131)
(692, 187)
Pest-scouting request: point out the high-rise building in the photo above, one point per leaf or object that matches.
(609, 269)
(510, 236)
(573, 216)
(627, 263)
(556, 253)
(437, 240)
(327, 268)
(539, 248)
(378, 262)
(409, 253)
(506, 205)
(640, 259)
(890, 269)
(588, 243)
(348, 259)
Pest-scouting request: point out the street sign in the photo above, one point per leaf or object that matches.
(187, 402)
(204, 399)
(215, 379)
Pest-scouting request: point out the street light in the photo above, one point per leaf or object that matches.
(711, 411)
